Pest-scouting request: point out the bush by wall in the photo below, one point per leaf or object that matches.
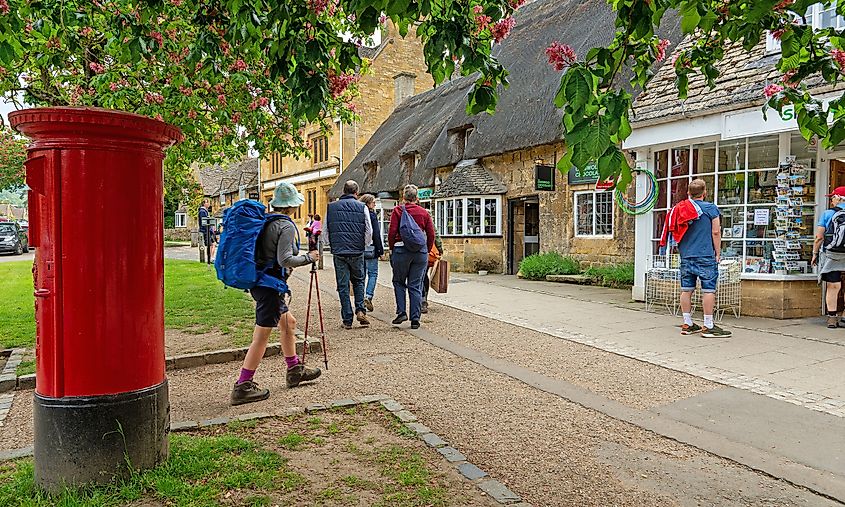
(539, 266)
(614, 275)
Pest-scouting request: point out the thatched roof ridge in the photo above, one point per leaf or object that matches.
(216, 179)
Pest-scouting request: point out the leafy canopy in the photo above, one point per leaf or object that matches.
(233, 74)
(12, 157)
(596, 116)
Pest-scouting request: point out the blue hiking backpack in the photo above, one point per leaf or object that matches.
(410, 232)
(235, 261)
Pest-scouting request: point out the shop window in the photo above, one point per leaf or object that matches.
(818, 16)
(594, 213)
(468, 216)
(746, 189)
(180, 220)
(319, 149)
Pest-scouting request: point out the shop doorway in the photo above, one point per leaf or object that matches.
(523, 230)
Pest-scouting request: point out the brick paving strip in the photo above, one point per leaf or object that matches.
(489, 486)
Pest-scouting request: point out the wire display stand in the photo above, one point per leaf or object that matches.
(663, 286)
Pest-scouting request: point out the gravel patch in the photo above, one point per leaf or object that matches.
(635, 383)
(548, 450)
(179, 342)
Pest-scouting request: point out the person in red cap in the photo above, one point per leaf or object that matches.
(829, 253)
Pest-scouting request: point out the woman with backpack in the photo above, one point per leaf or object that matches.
(410, 237)
(829, 253)
(277, 247)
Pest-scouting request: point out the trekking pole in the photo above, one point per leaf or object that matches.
(320, 312)
(308, 315)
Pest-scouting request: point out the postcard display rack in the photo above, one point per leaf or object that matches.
(663, 286)
(786, 253)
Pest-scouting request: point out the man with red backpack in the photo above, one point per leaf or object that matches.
(410, 237)
(276, 253)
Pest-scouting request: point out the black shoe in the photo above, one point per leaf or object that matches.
(424, 307)
(347, 325)
(402, 317)
(368, 304)
(248, 392)
(415, 324)
(300, 373)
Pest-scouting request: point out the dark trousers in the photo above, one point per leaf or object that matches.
(349, 268)
(408, 271)
(426, 284)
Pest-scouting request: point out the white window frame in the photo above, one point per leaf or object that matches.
(461, 203)
(813, 18)
(593, 193)
(180, 220)
(222, 199)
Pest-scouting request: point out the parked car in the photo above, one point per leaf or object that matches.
(13, 238)
(25, 226)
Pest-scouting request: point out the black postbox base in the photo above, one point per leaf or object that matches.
(93, 439)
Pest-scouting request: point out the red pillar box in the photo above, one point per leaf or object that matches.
(95, 208)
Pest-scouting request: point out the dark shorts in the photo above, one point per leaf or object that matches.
(269, 306)
(704, 269)
(832, 277)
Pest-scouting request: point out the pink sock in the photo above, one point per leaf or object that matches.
(292, 361)
(245, 375)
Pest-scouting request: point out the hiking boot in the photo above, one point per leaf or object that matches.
(424, 307)
(248, 392)
(695, 328)
(715, 332)
(832, 322)
(415, 324)
(346, 325)
(300, 373)
(362, 319)
(368, 304)
(402, 317)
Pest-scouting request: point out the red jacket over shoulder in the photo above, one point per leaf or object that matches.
(420, 216)
(678, 219)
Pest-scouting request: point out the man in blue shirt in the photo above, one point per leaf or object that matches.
(700, 249)
(830, 261)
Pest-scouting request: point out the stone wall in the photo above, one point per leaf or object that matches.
(557, 227)
(781, 299)
(468, 255)
(180, 234)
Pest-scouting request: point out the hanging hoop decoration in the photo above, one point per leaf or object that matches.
(648, 202)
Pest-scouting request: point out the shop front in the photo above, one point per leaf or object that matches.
(769, 184)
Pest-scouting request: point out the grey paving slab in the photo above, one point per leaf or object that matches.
(811, 438)
(471, 471)
(766, 363)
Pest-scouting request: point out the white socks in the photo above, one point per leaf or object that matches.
(688, 319)
(708, 321)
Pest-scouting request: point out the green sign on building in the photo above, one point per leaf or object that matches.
(544, 177)
(590, 174)
(424, 194)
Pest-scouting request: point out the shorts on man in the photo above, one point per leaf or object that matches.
(270, 305)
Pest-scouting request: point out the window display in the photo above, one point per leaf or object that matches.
(768, 208)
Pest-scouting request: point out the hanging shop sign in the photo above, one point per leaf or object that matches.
(424, 194)
(544, 177)
(590, 174)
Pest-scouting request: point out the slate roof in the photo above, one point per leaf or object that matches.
(470, 178)
(216, 179)
(525, 116)
(743, 76)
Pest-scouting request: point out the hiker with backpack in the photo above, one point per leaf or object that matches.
(410, 237)
(829, 253)
(257, 252)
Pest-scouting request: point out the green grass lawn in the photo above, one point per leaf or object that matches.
(194, 302)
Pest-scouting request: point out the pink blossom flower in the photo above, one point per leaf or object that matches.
(154, 98)
(318, 6)
(839, 57)
(560, 55)
(177, 3)
(501, 29)
(236, 117)
(772, 90)
(157, 37)
(661, 49)
(158, 117)
(4, 7)
(339, 83)
(192, 114)
(224, 47)
(87, 31)
(96, 68)
(788, 78)
(777, 34)
(238, 66)
(784, 4)
(222, 99)
(186, 91)
(478, 9)
(114, 87)
(382, 19)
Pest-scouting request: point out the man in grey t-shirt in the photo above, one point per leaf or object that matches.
(279, 243)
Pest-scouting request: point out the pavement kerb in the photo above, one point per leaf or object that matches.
(9, 381)
(481, 479)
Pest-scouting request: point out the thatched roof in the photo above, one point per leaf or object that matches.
(217, 179)
(525, 116)
(470, 178)
(743, 76)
